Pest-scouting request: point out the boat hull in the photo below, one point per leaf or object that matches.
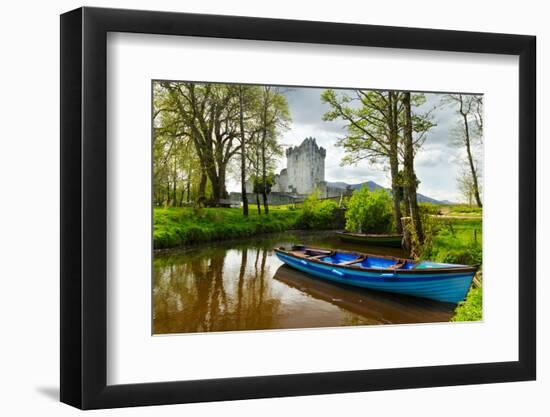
(393, 241)
(450, 287)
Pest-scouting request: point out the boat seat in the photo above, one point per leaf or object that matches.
(353, 261)
(399, 264)
(323, 255)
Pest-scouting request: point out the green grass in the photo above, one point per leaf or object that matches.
(183, 226)
(450, 209)
(471, 308)
(463, 209)
(456, 241)
(459, 241)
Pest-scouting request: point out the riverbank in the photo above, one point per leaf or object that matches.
(470, 309)
(180, 226)
(459, 240)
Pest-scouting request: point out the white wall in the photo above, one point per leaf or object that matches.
(29, 173)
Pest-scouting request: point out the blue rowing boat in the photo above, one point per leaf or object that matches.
(437, 281)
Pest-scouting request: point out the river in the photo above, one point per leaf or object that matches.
(242, 285)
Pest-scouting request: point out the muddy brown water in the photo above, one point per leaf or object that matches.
(242, 285)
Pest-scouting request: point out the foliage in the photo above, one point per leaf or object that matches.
(382, 128)
(368, 124)
(369, 211)
(317, 214)
(470, 309)
(202, 130)
(258, 183)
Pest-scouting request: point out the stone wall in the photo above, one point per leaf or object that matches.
(273, 198)
(281, 182)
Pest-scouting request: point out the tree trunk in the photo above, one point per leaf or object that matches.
(217, 181)
(243, 153)
(394, 162)
(202, 185)
(264, 173)
(264, 183)
(257, 169)
(188, 184)
(168, 187)
(182, 194)
(222, 193)
(408, 168)
(470, 157)
(174, 184)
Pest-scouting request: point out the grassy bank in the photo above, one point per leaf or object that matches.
(181, 226)
(451, 209)
(184, 226)
(455, 241)
(459, 241)
(471, 308)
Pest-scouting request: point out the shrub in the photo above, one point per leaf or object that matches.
(369, 211)
(317, 214)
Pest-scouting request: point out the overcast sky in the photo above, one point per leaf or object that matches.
(437, 164)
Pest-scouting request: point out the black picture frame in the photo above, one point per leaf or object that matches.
(84, 207)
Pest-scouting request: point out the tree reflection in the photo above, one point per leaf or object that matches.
(214, 290)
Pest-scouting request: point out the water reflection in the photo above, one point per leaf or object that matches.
(243, 286)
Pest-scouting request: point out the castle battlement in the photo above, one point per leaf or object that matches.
(308, 145)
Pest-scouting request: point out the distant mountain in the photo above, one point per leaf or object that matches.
(371, 185)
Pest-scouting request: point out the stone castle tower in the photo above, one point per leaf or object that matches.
(305, 169)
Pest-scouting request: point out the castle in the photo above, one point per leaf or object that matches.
(305, 169)
(304, 173)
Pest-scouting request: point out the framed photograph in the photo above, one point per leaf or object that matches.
(257, 208)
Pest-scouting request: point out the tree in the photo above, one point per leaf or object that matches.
(477, 102)
(274, 116)
(411, 182)
(375, 124)
(248, 129)
(175, 163)
(243, 151)
(466, 186)
(469, 107)
(211, 112)
(372, 131)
